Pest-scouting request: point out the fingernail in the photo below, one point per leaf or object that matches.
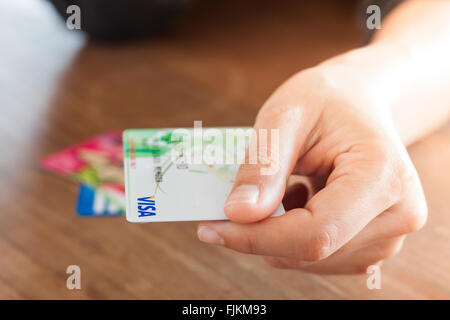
(210, 236)
(246, 193)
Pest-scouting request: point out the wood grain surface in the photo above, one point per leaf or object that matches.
(219, 64)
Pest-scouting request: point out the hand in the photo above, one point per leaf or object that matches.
(334, 127)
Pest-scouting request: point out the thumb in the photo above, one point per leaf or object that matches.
(279, 133)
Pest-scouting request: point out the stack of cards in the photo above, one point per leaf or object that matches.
(170, 174)
(98, 165)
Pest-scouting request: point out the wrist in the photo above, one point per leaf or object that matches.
(378, 69)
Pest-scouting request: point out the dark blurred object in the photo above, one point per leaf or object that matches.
(118, 20)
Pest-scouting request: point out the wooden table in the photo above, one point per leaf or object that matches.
(218, 65)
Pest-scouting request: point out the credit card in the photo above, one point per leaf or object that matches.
(181, 174)
(97, 162)
(92, 203)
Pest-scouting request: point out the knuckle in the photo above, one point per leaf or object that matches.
(392, 251)
(394, 170)
(395, 183)
(416, 206)
(274, 262)
(381, 154)
(250, 245)
(321, 244)
(382, 162)
(414, 213)
(416, 219)
(392, 248)
(404, 177)
(392, 178)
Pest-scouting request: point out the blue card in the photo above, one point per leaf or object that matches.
(94, 203)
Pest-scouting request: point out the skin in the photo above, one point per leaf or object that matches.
(344, 125)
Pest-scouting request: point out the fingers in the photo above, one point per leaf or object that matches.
(370, 245)
(348, 263)
(280, 131)
(362, 185)
(404, 217)
(367, 248)
(281, 236)
(357, 191)
(407, 216)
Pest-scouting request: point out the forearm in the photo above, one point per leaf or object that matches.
(407, 66)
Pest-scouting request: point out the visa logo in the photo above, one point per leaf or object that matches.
(146, 206)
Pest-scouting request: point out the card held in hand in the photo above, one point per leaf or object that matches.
(181, 174)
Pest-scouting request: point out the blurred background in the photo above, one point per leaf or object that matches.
(217, 62)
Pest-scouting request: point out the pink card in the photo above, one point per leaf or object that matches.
(97, 162)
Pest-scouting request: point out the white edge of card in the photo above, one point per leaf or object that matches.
(127, 191)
